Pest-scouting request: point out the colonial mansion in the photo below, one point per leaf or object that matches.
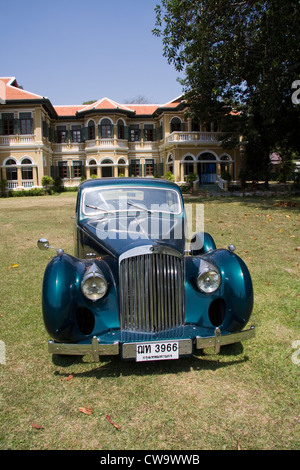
(105, 139)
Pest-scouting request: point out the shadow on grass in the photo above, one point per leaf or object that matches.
(116, 367)
(279, 202)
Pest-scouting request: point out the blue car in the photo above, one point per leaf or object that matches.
(138, 286)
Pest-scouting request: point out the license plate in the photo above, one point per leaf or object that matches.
(159, 351)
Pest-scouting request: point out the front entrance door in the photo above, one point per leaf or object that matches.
(207, 173)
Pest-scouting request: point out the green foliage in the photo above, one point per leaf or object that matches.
(27, 192)
(58, 186)
(190, 178)
(169, 176)
(47, 183)
(238, 56)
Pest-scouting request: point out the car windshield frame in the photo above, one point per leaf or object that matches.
(127, 201)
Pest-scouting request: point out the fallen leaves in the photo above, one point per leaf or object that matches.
(112, 423)
(87, 410)
(13, 266)
(36, 426)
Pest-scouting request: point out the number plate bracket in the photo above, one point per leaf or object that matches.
(157, 350)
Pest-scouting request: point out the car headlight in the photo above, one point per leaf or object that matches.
(94, 285)
(208, 279)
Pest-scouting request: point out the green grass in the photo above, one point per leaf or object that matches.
(248, 396)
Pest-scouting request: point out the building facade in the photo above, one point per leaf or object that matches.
(104, 139)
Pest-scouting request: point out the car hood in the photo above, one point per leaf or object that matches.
(119, 233)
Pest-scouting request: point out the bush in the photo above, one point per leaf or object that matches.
(47, 182)
(27, 192)
(57, 186)
(169, 176)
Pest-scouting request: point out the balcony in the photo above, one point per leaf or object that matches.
(195, 137)
(68, 147)
(143, 146)
(11, 140)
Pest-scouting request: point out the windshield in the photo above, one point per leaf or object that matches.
(101, 201)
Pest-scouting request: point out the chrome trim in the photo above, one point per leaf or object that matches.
(219, 340)
(150, 249)
(95, 349)
(151, 289)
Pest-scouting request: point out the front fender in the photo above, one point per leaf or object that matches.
(230, 307)
(65, 309)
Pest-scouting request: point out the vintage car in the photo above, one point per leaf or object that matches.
(137, 286)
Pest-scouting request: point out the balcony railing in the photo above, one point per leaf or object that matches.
(194, 136)
(12, 184)
(26, 184)
(17, 139)
(70, 146)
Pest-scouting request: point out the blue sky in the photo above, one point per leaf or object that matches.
(73, 51)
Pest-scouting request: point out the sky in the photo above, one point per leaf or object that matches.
(72, 51)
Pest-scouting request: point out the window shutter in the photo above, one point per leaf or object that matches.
(53, 172)
(16, 126)
(126, 133)
(85, 134)
(1, 127)
(45, 129)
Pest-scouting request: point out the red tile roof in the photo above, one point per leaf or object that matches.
(13, 92)
(68, 110)
(143, 108)
(106, 103)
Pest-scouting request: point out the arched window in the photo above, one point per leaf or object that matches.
(105, 129)
(207, 156)
(26, 170)
(121, 129)
(188, 164)
(11, 161)
(11, 171)
(176, 124)
(91, 130)
(225, 164)
(107, 168)
(93, 164)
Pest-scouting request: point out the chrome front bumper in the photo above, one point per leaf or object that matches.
(128, 350)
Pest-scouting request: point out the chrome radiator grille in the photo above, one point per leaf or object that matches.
(151, 293)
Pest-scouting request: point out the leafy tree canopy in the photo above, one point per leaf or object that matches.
(241, 55)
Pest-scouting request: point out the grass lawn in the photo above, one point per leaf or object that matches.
(247, 397)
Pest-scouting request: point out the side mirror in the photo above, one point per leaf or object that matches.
(43, 244)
